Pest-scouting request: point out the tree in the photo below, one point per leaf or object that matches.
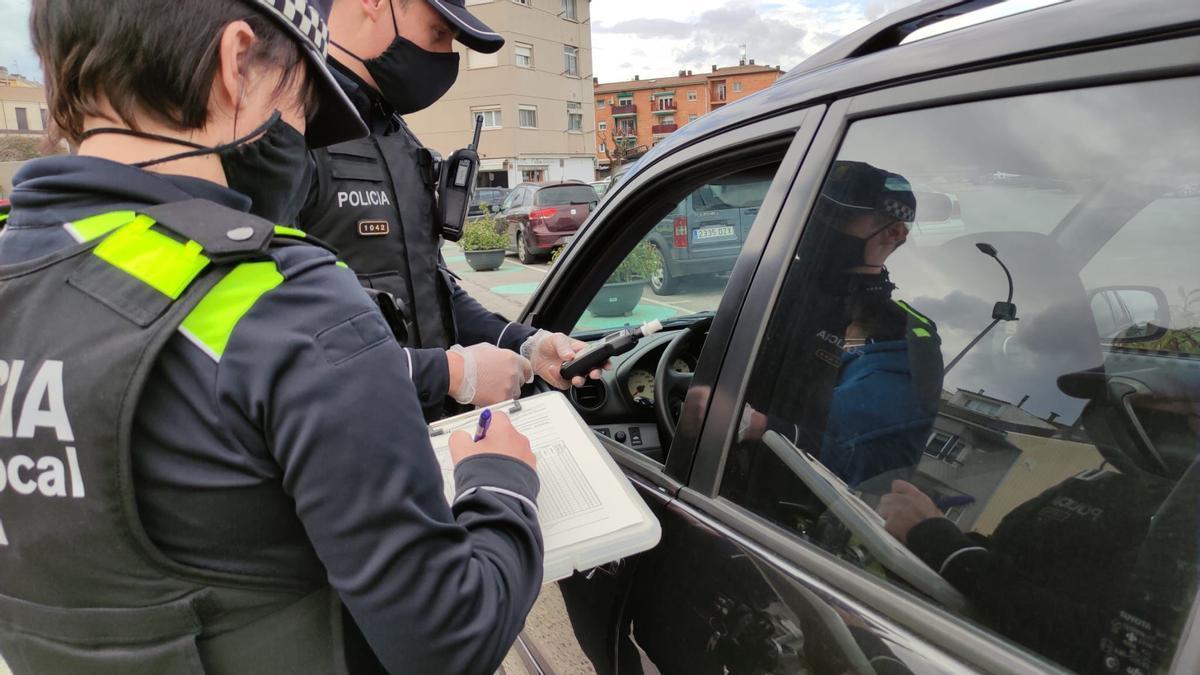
(20, 148)
(618, 148)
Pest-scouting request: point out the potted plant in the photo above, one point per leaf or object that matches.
(623, 290)
(482, 245)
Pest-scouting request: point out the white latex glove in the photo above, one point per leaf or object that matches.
(547, 351)
(490, 374)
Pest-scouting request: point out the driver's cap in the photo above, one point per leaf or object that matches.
(860, 186)
(336, 119)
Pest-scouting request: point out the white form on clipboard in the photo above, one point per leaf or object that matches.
(589, 512)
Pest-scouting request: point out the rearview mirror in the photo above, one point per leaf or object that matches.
(1126, 314)
(934, 207)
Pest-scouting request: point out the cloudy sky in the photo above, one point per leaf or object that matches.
(636, 37)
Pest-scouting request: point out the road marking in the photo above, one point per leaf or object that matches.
(681, 308)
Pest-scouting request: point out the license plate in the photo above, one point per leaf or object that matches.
(702, 233)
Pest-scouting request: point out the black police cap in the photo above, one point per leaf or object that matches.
(860, 186)
(471, 31)
(336, 119)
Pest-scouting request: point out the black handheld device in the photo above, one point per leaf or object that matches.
(456, 185)
(597, 353)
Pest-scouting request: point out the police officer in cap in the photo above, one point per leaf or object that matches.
(374, 200)
(182, 488)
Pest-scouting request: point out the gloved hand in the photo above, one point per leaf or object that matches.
(489, 374)
(547, 351)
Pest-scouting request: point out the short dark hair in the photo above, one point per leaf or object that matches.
(152, 57)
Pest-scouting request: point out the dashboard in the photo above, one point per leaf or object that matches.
(620, 405)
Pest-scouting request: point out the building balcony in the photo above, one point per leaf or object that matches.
(624, 110)
(663, 108)
(663, 128)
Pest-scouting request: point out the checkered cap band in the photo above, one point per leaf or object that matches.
(898, 210)
(304, 16)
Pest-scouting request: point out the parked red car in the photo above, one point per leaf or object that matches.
(540, 218)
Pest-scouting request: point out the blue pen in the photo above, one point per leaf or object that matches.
(485, 421)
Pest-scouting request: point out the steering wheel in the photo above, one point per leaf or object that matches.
(669, 382)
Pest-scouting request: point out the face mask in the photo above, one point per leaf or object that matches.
(410, 78)
(272, 170)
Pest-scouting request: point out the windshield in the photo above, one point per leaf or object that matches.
(563, 195)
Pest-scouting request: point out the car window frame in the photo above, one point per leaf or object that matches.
(1103, 65)
(563, 295)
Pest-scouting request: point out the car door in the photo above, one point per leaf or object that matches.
(1051, 532)
(623, 226)
(509, 217)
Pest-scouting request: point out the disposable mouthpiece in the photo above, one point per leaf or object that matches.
(651, 327)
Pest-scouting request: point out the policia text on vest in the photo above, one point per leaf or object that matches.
(40, 406)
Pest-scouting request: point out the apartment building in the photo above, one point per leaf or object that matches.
(534, 96)
(22, 106)
(633, 116)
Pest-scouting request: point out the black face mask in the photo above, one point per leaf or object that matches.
(272, 170)
(410, 78)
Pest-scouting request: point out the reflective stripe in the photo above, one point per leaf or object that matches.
(97, 226)
(342, 264)
(286, 231)
(152, 257)
(920, 332)
(211, 323)
(913, 312)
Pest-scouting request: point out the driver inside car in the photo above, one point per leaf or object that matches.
(872, 369)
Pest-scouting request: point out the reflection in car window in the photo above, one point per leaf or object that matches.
(683, 263)
(1035, 445)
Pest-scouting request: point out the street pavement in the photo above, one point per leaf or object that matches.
(508, 289)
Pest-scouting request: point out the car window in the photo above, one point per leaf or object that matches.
(683, 263)
(1025, 455)
(562, 195)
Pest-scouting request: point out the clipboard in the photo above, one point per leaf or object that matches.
(589, 511)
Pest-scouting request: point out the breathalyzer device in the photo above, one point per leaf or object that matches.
(456, 185)
(599, 352)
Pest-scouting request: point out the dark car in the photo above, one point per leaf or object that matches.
(539, 218)
(490, 197)
(705, 231)
(1028, 375)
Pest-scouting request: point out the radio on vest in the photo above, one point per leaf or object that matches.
(456, 185)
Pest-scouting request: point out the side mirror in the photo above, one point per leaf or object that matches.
(935, 207)
(1130, 314)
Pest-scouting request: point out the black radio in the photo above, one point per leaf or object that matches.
(456, 186)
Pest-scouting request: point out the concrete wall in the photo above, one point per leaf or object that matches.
(7, 169)
(496, 82)
(1042, 464)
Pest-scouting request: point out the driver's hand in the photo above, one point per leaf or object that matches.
(547, 351)
(904, 507)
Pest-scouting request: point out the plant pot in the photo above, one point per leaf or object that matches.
(485, 261)
(617, 299)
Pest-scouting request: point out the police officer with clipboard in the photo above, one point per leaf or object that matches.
(376, 200)
(181, 491)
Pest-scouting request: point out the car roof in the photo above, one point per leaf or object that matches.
(874, 55)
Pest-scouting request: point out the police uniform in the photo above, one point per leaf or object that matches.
(373, 200)
(184, 489)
